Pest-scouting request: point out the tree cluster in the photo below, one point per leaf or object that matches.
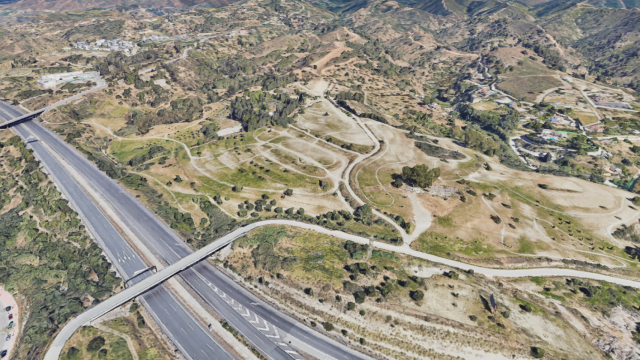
(420, 175)
(253, 110)
(58, 264)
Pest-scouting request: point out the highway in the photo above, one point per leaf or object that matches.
(168, 247)
(100, 84)
(197, 343)
(206, 286)
(214, 286)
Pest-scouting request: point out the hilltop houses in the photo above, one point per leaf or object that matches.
(552, 135)
(106, 45)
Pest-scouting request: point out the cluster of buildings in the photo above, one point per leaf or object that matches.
(53, 80)
(483, 92)
(106, 45)
(552, 135)
(160, 38)
(559, 120)
(614, 170)
(186, 37)
(595, 128)
(599, 101)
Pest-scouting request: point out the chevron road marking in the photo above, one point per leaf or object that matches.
(256, 321)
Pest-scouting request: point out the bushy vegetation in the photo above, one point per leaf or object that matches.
(374, 51)
(52, 264)
(180, 110)
(254, 112)
(628, 233)
(105, 29)
(476, 140)
(501, 125)
(26, 94)
(117, 65)
(234, 73)
(348, 95)
(264, 255)
(438, 152)
(420, 175)
(153, 152)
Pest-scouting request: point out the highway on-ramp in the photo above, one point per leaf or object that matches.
(167, 311)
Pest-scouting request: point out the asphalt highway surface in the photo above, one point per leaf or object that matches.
(190, 337)
(168, 247)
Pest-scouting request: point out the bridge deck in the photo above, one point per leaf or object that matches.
(27, 117)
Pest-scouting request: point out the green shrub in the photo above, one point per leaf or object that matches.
(308, 291)
(351, 306)
(359, 297)
(537, 352)
(362, 341)
(473, 317)
(453, 275)
(370, 290)
(420, 175)
(95, 344)
(141, 323)
(72, 352)
(328, 326)
(526, 307)
(416, 295)
(362, 312)
(134, 307)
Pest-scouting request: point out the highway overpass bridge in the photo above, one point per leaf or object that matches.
(100, 84)
(23, 118)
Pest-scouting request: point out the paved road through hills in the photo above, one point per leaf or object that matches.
(203, 276)
(166, 245)
(197, 343)
(167, 272)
